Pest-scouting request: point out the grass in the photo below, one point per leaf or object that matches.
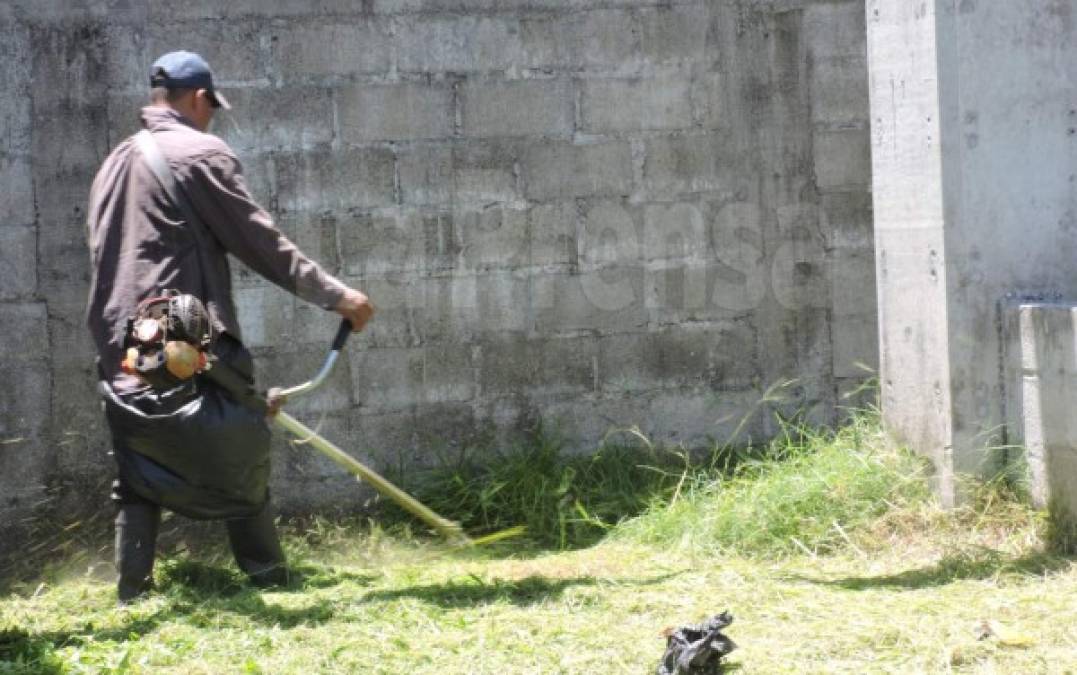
(878, 579)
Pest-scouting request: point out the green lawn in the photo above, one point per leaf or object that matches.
(889, 584)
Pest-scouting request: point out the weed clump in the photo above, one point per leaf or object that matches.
(563, 500)
(807, 490)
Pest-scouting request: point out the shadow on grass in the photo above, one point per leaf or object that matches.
(522, 592)
(984, 564)
(199, 595)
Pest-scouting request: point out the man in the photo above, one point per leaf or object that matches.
(141, 245)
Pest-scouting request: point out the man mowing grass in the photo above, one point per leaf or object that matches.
(166, 207)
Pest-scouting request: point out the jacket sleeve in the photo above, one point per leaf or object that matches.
(247, 231)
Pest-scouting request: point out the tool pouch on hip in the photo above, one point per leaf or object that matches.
(194, 449)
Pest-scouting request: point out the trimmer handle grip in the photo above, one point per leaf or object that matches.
(342, 335)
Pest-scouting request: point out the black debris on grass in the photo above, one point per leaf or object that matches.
(697, 649)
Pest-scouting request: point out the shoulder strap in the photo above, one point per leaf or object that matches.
(155, 159)
(151, 152)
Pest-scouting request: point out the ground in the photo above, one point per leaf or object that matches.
(389, 608)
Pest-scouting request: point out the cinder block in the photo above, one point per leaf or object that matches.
(385, 242)
(558, 170)
(715, 357)
(600, 302)
(852, 282)
(458, 44)
(63, 119)
(485, 171)
(18, 262)
(69, 64)
(518, 108)
(799, 273)
(842, 159)
(395, 112)
(633, 105)
(694, 163)
(235, 50)
(24, 401)
(26, 325)
(675, 231)
(552, 235)
(316, 235)
(493, 238)
(463, 308)
(605, 39)
(855, 345)
(16, 191)
(839, 92)
(15, 80)
(381, 438)
(69, 342)
(387, 378)
(450, 372)
(63, 262)
(426, 174)
(330, 48)
(835, 30)
(609, 236)
(674, 34)
(322, 179)
(697, 420)
(25, 461)
(537, 367)
(443, 431)
(717, 105)
(846, 220)
(266, 119)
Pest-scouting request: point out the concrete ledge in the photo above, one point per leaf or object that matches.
(1041, 376)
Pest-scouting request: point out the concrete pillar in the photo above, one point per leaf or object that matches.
(974, 152)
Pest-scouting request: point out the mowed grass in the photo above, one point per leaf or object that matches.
(826, 547)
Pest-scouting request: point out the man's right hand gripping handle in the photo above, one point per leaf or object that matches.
(356, 307)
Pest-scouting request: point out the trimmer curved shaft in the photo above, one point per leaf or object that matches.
(278, 397)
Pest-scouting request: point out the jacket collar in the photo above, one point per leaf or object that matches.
(154, 116)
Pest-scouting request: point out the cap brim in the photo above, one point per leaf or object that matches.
(222, 102)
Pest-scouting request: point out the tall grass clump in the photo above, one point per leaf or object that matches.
(807, 490)
(564, 500)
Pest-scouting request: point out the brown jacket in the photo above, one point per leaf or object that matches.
(140, 245)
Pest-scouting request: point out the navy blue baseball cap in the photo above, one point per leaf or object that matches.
(186, 70)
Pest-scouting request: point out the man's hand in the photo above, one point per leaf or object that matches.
(355, 307)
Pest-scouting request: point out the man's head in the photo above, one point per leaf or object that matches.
(183, 81)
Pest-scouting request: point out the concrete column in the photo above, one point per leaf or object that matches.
(974, 155)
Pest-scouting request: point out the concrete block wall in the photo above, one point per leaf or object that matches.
(592, 214)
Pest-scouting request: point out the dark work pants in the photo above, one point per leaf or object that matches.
(254, 543)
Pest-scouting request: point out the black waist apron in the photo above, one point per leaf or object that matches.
(194, 450)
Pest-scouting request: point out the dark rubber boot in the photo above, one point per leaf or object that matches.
(256, 546)
(136, 545)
